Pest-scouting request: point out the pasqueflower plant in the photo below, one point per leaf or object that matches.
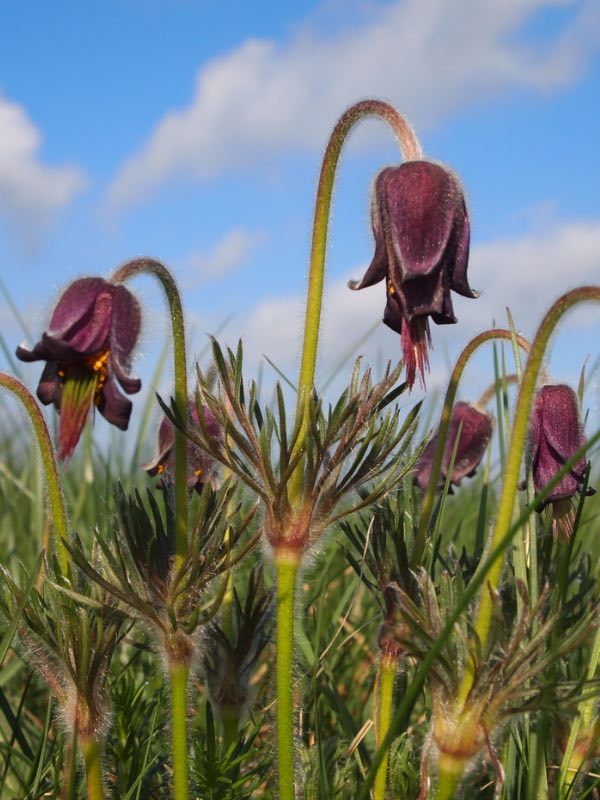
(488, 644)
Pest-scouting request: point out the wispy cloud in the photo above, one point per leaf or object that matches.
(31, 192)
(225, 258)
(428, 57)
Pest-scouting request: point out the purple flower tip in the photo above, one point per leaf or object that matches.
(422, 233)
(555, 434)
(475, 433)
(87, 349)
(201, 465)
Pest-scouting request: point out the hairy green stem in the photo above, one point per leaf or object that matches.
(179, 683)
(155, 268)
(387, 675)
(92, 756)
(55, 495)
(410, 150)
(286, 565)
(442, 434)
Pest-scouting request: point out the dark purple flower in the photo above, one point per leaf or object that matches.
(555, 434)
(87, 349)
(201, 465)
(475, 435)
(421, 228)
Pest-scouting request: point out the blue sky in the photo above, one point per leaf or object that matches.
(193, 131)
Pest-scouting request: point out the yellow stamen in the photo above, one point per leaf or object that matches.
(391, 288)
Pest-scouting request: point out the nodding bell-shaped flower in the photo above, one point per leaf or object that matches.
(475, 433)
(421, 229)
(87, 349)
(555, 434)
(201, 466)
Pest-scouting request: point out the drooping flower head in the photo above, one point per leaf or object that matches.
(475, 428)
(87, 349)
(201, 466)
(421, 229)
(555, 434)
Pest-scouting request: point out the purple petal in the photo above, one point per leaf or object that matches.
(83, 316)
(475, 435)
(378, 268)
(458, 255)
(50, 386)
(560, 419)
(419, 206)
(166, 440)
(126, 322)
(115, 408)
(74, 303)
(421, 297)
(392, 315)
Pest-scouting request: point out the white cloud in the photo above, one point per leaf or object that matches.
(428, 57)
(226, 256)
(526, 274)
(31, 192)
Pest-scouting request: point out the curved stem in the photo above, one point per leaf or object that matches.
(179, 681)
(287, 570)
(55, 495)
(387, 676)
(436, 467)
(513, 461)
(410, 150)
(152, 267)
(93, 768)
